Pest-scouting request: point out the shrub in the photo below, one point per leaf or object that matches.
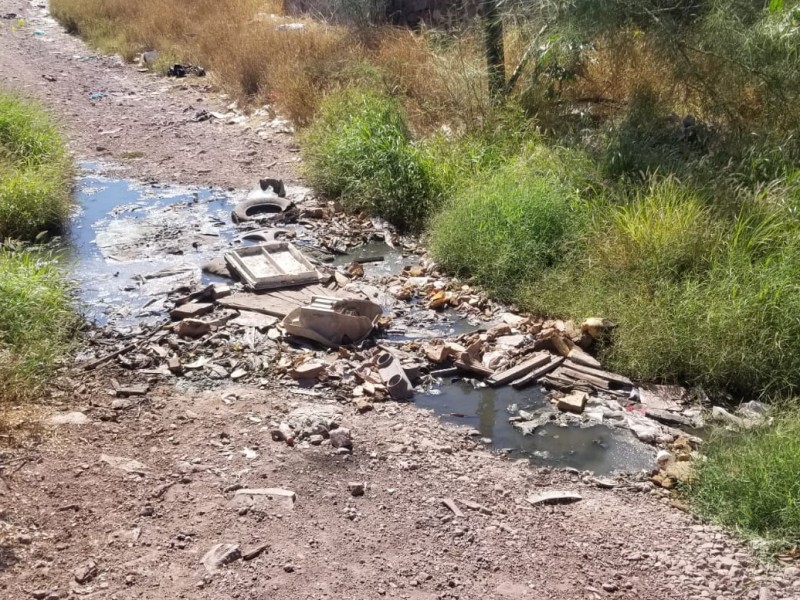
(699, 298)
(360, 150)
(35, 193)
(749, 481)
(509, 227)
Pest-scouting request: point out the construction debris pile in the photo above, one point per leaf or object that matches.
(284, 314)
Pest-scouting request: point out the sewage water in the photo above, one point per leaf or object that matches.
(597, 448)
(133, 243)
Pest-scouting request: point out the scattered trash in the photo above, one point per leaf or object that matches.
(179, 70)
(333, 322)
(269, 266)
(97, 95)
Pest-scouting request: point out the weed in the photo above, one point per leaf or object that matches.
(360, 150)
(34, 188)
(749, 481)
(509, 227)
(36, 320)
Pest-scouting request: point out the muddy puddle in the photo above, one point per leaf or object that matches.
(596, 448)
(132, 244)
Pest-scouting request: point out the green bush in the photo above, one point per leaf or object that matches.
(360, 150)
(35, 191)
(36, 320)
(510, 226)
(700, 299)
(750, 481)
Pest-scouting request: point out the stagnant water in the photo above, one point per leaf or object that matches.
(132, 243)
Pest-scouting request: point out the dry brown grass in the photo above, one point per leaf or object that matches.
(248, 57)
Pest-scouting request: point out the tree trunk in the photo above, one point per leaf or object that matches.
(495, 54)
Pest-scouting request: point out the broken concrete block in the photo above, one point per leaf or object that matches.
(174, 365)
(191, 310)
(574, 402)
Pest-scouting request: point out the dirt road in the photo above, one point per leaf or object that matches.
(128, 503)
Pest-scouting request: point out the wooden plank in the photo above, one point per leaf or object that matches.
(260, 303)
(611, 377)
(520, 370)
(537, 374)
(567, 373)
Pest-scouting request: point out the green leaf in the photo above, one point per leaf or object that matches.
(775, 6)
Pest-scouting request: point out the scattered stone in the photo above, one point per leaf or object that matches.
(356, 488)
(720, 414)
(574, 402)
(220, 555)
(610, 587)
(315, 440)
(191, 310)
(341, 438)
(309, 370)
(70, 418)
(86, 572)
(192, 328)
(128, 465)
(554, 497)
(363, 406)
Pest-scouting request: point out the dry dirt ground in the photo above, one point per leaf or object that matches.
(79, 519)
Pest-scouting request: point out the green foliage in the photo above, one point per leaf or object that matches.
(749, 481)
(35, 193)
(700, 298)
(511, 226)
(36, 320)
(360, 150)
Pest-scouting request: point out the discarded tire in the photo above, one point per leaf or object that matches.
(258, 205)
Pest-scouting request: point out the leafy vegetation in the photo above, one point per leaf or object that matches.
(35, 308)
(749, 482)
(35, 172)
(360, 150)
(36, 320)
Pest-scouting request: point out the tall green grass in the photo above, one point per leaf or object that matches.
(511, 226)
(36, 316)
(35, 183)
(750, 481)
(360, 151)
(36, 321)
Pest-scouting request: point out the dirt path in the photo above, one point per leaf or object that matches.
(146, 123)
(127, 504)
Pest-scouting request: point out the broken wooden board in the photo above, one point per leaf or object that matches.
(612, 378)
(522, 369)
(191, 310)
(535, 375)
(278, 303)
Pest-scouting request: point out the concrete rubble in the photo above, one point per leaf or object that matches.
(342, 330)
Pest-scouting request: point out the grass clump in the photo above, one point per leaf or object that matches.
(360, 150)
(36, 315)
(750, 482)
(701, 298)
(36, 320)
(35, 191)
(510, 227)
